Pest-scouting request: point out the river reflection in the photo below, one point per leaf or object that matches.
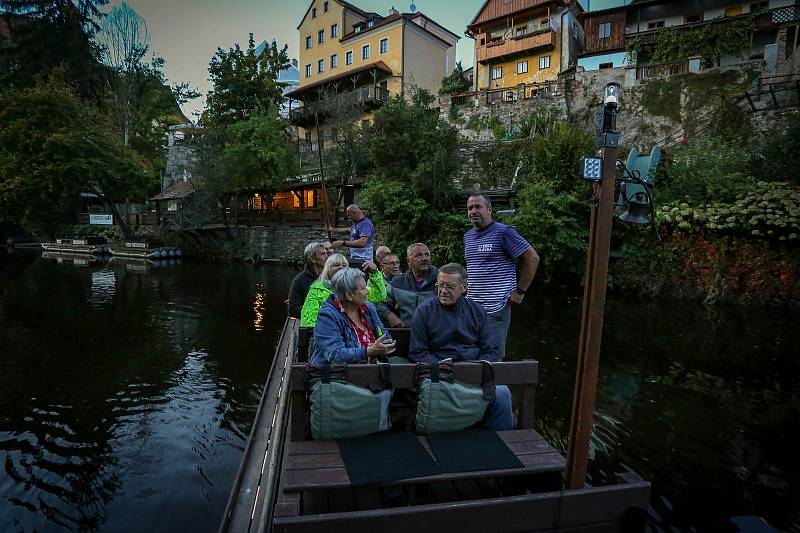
(127, 392)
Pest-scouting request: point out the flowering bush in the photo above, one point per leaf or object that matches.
(771, 211)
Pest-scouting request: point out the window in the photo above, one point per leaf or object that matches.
(320, 36)
(694, 17)
(348, 57)
(334, 30)
(384, 45)
(605, 30)
(357, 29)
(308, 135)
(522, 67)
(655, 24)
(545, 25)
(733, 11)
(606, 65)
(313, 12)
(325, 7)
(497, 73)
(365, 52)
(544, 62)
(308, 42)
(365, 123)
(370, 24)
(321, 65)
(334, 61)
(308, 70)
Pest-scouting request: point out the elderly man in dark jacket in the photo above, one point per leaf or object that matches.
(453, 327)
(409, 289)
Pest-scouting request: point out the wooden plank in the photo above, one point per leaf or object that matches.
(591, 509)
(368, 498)
(288, 504)
(505, 372)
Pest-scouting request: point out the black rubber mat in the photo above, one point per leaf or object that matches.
(471, 450)
(385, 457)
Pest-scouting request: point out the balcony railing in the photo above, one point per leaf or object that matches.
(766, 19)
(370, 96)
(514, 45)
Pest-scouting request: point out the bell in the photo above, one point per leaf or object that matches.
(637, 212)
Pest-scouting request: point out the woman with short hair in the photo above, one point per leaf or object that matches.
(348, 329)
(321, 289)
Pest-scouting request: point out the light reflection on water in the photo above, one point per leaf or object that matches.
(127, 404)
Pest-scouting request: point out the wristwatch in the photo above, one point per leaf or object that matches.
(519, 291)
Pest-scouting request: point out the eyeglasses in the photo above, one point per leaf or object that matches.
(446, 287)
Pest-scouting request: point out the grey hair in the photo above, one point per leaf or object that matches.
(486, 199)
(455, 269)
(333, 260)
(311, 251)
(413, 245)
(346, 280)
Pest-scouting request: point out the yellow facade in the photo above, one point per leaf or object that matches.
(511, 78)
(427, 58)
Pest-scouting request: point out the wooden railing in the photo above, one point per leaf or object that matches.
(658, 71)
(525, 91)
(370, 95)
(513, 45)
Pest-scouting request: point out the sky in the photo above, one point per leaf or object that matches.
(187, 33)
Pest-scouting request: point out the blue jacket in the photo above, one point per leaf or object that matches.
(460, 331)
(334, 338)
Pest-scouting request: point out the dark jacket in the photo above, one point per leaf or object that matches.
(404, 298)
(460, 331)
(334, 338)
(299, 290)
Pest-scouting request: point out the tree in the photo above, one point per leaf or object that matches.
(456, 82)
(50, 34)
(259, 153)
(244, 83)
(54, 147)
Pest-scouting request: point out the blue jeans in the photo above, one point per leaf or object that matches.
(499, 322)
(498, 414)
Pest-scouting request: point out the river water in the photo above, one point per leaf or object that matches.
(127, 394)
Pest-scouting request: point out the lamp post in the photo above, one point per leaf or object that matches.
(594, 292)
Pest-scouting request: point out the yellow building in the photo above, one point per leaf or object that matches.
(524, 41)
(348, 55)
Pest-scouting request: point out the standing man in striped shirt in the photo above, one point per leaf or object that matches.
(492, 251)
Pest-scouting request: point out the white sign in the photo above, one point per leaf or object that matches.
(104, 220)
(136, 245)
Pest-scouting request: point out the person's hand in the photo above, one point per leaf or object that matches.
(381, 347)
(369, 267)
(337, 244)
(516, 298)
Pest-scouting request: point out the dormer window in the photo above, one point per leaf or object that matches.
(370, 24)
(357, 29)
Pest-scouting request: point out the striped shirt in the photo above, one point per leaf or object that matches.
(491, 273)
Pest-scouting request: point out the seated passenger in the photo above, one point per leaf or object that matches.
(348, 329)
(453, 327)
(321, 290)
(410, 289)
(314, 257)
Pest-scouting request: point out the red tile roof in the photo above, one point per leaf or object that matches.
(182, 189)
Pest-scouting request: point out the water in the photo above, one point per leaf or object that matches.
(127, 394)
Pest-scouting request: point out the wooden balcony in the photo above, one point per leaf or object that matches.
(368, 97)
(761, 21)
(517, 45)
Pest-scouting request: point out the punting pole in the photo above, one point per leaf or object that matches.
(594, 296)
(322, 177)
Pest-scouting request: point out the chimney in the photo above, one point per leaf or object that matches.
(393, 11)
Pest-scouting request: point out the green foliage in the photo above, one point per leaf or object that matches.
(456, 82)
(244, 83)
(555, 223)
(54, 147)
(49, 35)
(410, 144)
(771, 211)
(258, 152)
(710, 41)
(663, 98)
(777, 157)
(713, 169)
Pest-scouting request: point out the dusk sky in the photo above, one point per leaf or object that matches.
(187, 32)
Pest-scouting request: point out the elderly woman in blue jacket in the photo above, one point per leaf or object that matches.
(348, 329)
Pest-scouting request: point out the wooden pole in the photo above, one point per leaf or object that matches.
(322, 177)
(594, 299)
